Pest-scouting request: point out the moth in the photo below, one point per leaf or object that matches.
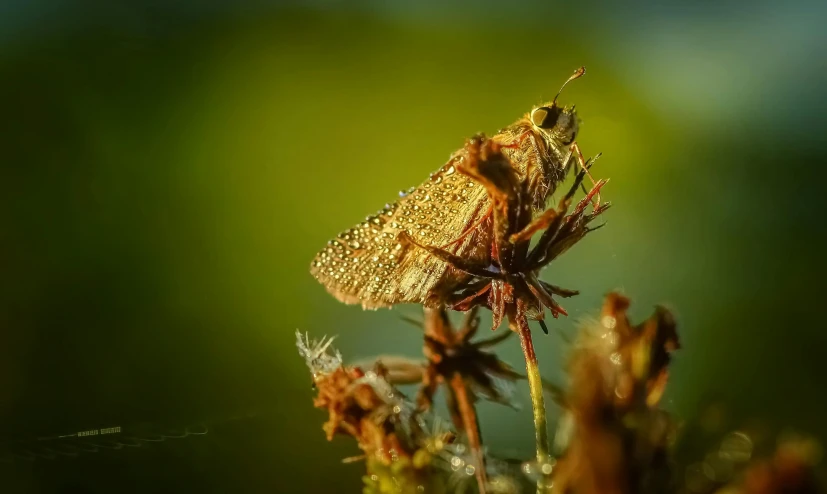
(371, 263)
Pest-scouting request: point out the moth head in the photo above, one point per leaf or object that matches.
(555, 122)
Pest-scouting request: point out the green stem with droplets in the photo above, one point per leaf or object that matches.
(538, 404)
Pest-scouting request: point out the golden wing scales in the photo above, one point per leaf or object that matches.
(367, 264)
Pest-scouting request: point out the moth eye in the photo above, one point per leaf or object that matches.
(545, 117)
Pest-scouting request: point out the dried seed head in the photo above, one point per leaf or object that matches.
(612, 431)
(316, 355)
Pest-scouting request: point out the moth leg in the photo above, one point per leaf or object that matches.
(575, 149)
(537, 256)
(468, 298)
(488, 166)
(547, 219)
(569, 232)
(453, 260)
(542, 222)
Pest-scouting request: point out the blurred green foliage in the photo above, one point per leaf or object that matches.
(165, 185)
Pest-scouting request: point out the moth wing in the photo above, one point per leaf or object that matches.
(369, 265)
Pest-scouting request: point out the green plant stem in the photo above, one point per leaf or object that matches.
(538, 404)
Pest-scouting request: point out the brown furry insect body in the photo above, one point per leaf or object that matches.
(369, 264)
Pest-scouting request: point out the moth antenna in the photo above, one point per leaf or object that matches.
(577, 74)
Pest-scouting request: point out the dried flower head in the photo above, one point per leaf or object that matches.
(464, 368)
(404, 447)
(360, 404)
(508, 282)
(316, 355)
(616, 439)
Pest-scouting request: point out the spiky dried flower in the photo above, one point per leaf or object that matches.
(617, 439)
(404, 447)
(316, 355)
(464, 368)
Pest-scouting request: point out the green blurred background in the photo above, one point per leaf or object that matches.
(169, 171)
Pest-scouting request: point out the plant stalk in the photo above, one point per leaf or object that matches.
(538, 404)
(438, 327)
(472, 427)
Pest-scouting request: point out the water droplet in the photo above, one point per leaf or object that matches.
(535, 471)
(736, 447)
